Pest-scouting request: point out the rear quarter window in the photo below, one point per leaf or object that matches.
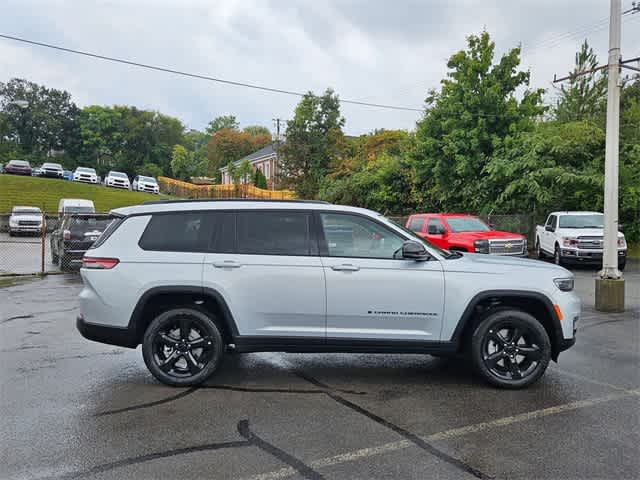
(115, 223)
(176, 232)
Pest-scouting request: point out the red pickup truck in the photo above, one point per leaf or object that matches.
(466, 233)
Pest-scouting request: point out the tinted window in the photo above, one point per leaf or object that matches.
(435, 226)
(416, 224)
(273, 233)
(176, 232)
(223, 232)
(356, 236)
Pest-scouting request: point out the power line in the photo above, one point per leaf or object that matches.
(198, 76)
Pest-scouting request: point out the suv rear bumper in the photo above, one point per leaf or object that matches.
(122, 337)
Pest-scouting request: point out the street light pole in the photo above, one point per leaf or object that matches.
(610, 285)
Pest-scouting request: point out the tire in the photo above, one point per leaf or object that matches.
(493, 343)
(11, 234)
(539, 251)
(557, 258)
(622, 264)
(169, 341)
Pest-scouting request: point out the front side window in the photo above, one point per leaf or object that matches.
(356, 236)
(416, 224)
(175, 232)
(552, 221)
(435, 227)
(273, 233)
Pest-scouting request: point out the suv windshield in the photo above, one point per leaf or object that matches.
(85, 170)
(466, 224)
(146, 179)
(117, 174)
(57, 166)
(78, 209)
(20, 163)
(582, 221)
(26, 211)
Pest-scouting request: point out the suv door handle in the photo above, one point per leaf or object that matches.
(227, 264)
(347, 267)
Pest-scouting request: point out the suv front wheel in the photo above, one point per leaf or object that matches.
(182, 347)
(510, 349)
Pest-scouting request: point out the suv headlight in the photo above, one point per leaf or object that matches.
(481, 246)
(569, 241)
(622, 243)
(564, 284)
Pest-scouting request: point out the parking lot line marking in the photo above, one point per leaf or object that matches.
(447, 434)
(577, 376)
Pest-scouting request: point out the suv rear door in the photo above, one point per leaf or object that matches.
(370, 294)
(270, 275)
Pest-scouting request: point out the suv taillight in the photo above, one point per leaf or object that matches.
(99, 263)
(66, 235)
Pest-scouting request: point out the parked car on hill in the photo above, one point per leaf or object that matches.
(18, 167)
(67, 175)
(466, 233)
(85, 174)
(576, 237)
(145, 184)
(74, 236)
(117, 179)
(189, 279)
(54, 170)
(25, 220)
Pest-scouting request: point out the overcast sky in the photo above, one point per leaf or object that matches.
(374, 51)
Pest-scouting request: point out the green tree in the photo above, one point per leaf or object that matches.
(472, 115)
(313, 143)
(184, 164)
(244, 172)
(47, 120)
(259, 180)
(222, 122)
(256, 130)
(583, 97)
(151, 170)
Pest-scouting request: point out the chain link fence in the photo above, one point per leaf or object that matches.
(39, 244)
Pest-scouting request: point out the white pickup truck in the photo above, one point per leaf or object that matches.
(575, 237)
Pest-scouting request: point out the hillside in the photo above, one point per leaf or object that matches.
(46, 192)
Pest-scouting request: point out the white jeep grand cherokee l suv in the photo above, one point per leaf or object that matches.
(189, 279)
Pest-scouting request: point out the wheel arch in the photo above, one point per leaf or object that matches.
(158, 299)
(534, 303)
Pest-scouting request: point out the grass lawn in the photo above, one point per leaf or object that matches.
(47, 192)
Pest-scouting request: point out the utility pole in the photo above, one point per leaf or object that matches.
(610, 284)
(276, 147)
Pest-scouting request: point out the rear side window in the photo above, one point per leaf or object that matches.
(273, 233)
(176, 232)
(416, 224)
(113, 225)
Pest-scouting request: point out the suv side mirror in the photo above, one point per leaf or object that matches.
(414, 251)
(549, 228)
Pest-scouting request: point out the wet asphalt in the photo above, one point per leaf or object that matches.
(70, 408)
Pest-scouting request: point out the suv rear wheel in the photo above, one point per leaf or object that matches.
(510, 349)
(182, 347)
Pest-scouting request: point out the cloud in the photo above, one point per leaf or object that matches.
(374, 51)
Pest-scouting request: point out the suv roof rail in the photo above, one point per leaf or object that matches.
(160, 202)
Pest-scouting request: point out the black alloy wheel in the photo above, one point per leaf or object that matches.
(182, 347)
(539, 252)
(511, 349)
(557, 258)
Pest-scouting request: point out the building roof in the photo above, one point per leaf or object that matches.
(263, 152)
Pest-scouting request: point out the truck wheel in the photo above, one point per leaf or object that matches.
(539, 251)
(557, 258)
(182, 347)
(510, 349)
(622, 264)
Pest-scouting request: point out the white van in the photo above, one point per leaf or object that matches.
(67, 206)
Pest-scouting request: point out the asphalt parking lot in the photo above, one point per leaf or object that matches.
(71, 408)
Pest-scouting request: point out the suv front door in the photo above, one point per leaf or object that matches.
(265, 264)
(370, 294)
